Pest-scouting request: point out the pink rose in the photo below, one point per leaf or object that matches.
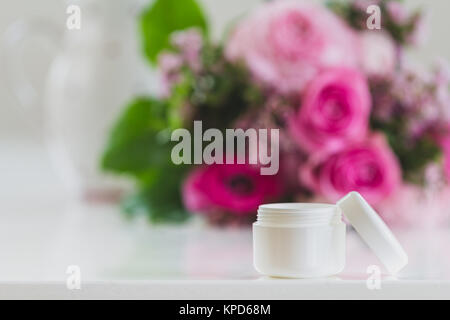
(369, 167)
(378, 53)
(235, 188)
(335, 110)
(285, 43)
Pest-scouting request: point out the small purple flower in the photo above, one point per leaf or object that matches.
(169, 69)
(190, 43)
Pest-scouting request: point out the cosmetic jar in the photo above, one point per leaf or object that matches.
(299, 240)
(307, 240)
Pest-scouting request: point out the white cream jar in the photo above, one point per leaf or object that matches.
(307, 240)
(299, 240)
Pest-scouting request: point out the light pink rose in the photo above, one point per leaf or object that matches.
(285, 43)
(335, 110)
(378, 53)
(234, 188)
(369, 167)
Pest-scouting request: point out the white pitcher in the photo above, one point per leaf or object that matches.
(96, 71)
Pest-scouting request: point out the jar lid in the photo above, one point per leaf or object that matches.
(373, 231)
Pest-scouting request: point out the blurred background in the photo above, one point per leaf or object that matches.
(14, 125)
(37, 206)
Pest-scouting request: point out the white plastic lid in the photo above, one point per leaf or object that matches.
(373, 231)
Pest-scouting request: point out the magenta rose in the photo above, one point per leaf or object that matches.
(369, 167)
(335, 110)
(285, 43)
(235, 188)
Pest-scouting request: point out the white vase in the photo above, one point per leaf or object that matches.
(97, 69)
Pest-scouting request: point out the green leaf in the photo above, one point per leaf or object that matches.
(137, 140)
(165, 17)
(160, 199)
(139, 145)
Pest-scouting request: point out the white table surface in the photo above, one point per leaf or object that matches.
(42, 232)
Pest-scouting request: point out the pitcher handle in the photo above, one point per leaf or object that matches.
(15, 39)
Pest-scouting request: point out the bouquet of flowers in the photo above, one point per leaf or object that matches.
(349, 111)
